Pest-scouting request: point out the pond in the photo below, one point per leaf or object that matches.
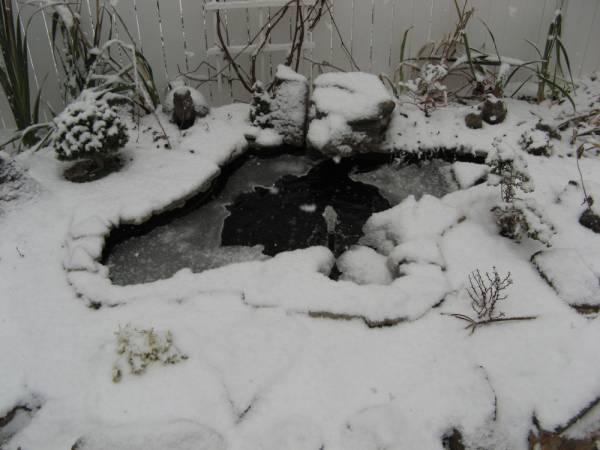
(263, 205)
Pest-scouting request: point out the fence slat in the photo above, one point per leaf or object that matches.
(176, 36)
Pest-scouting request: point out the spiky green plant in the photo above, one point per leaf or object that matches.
(554, 71)
(14, 69)
(81, 54)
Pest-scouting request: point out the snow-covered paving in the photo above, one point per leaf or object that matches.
(279, 356)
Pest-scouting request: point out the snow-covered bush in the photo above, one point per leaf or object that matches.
(515, 216)
(139, 348)
(523, 217)
(428, 89)
(88, 128)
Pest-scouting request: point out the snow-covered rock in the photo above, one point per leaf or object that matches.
(570, 276)
(468, 174)
(282, 117)
(421, 251)
(409, 220)
(350, 112)
(363, 265)
(179, 435)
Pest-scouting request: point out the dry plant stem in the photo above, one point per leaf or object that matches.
(337, 30)
(485, 295)
(304, 20)
(322, 64)
(162, 128)
(587, 200)
(249, 80)
(474, 324)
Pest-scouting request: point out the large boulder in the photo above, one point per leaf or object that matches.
(349, 113)
(281, 117)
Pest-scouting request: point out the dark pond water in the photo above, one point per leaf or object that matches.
(263, 207)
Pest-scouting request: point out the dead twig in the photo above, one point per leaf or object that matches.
(485, 293)
(474, 324)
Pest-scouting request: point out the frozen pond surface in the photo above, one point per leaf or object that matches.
(266, 206)
(396, 182)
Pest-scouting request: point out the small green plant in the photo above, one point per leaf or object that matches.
(14, 70)
(486, 293)
(554, 69)
(139, 348)
(516, 217)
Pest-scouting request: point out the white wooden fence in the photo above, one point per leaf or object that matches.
(177, 35)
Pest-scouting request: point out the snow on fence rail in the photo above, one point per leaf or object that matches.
(178, 35)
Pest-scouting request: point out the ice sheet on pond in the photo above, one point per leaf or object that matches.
(283, 205)
(194, 240)
(396, 182)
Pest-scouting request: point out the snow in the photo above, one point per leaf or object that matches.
(423, 251)
(340, 100)
(279, 355)
(578, 285)
(285, 120)
(184, 435)
(468, 174)
(351, 95)
(409, 220)
(363, 265)
(288, 74)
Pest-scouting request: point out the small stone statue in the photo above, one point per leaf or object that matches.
(185, 104)
(184, 114)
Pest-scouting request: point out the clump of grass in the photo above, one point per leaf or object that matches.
(477, 72)
(14, 69)
(86, 58)
(139, 348)
(554, 69)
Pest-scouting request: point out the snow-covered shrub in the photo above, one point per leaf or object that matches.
(428, 89)
(509, 171)
(88, 128)
(137, 349)
(523, 217)
(515, 216)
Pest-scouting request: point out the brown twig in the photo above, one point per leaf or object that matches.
(474, 324)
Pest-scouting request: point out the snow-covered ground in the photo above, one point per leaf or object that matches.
(280, 357)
